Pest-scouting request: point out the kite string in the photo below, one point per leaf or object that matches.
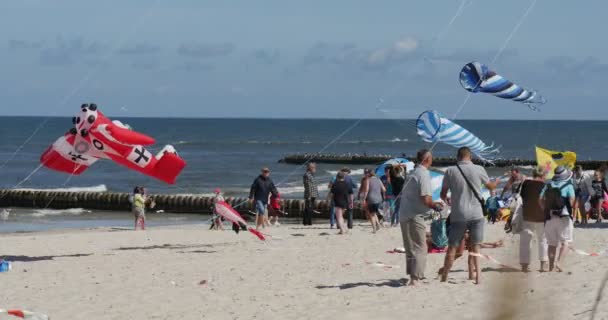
(458, 13)
(84, 80)
(12, 156)
(500, 51)
(517, 25)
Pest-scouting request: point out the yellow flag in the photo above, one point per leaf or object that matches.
(551, 159)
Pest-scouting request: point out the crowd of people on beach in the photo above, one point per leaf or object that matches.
(538, 209)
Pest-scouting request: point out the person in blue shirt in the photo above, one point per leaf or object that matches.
(492, 206)
(557, 200)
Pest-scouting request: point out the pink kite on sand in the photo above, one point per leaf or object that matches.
(28, 315)
(226, 211)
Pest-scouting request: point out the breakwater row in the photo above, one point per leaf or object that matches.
(363, 159)
(120, 202)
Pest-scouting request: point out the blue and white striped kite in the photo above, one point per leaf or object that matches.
(432, 127)
(476, 77)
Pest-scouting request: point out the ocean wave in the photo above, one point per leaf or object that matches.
(299, 189)
(57, 212)
(97, 188)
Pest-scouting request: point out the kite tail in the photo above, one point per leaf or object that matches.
(534, 106)
(257, 234)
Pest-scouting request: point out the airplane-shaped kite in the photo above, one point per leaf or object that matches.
(95, 137)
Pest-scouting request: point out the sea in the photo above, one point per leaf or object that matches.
(229, 153)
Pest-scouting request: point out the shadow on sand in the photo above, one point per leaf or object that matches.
(42, 258)
(381, 283)
(169, 246)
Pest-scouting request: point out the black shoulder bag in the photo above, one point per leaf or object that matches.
(480, 199)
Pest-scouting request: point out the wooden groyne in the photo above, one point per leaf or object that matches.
(120, 202)
(364, 159)
(335, 158)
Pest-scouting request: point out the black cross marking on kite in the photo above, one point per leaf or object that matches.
(142, 155)
(77, 157)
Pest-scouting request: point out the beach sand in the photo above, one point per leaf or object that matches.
(190, 272)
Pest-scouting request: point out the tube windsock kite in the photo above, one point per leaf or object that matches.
(95, 137)
(27, 315)
(432, 127)
(477, 77)
(225, 210)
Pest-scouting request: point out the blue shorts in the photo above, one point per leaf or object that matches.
(459, 228)
(260, 207)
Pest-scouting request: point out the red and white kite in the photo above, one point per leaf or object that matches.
(95, 137)
(226, 211)
(27, 315)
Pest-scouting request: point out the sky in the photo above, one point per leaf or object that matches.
(299, 59)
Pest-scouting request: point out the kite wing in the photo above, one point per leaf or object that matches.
(96, 137)
(432, 127)
(550, 160)
(62, 156)
(225, 210)
(477, 77)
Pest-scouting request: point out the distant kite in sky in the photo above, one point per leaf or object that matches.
(432, 127)
(477, 77)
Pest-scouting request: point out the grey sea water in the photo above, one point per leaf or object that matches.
(228, 153)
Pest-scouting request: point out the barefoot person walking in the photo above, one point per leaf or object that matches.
(464, 181)
(534, 221)
(557, 200)
(341, 194)
(417, 204)
(259, 195)
(372, 198)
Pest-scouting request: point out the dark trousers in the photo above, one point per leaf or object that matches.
(492, 215)
(308, 208)
(349, 224)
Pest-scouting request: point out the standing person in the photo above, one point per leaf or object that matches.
(533, 221)
(259, 195)
(557, 200)
(516, 178)
(388, 206)
(311, 192)
(597, 196)
(397, 181)
(417, 195)
(217, 223)
(492, 206)
(349, 181)
(341, 194)
(362, 192)
(583, 190)
(353, 186)
(274, 209)
(372, 198)
(464, 181)
(139, 207)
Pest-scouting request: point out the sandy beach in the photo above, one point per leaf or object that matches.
(190, 272)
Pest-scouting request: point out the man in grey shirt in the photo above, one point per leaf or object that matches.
(464, 181)
(417, 203)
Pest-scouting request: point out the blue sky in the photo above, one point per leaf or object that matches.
(307, 59)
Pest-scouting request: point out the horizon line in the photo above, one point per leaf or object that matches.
(302, 118)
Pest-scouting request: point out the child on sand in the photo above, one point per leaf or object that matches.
(139, 207)
(274, 209)
(216, 223)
